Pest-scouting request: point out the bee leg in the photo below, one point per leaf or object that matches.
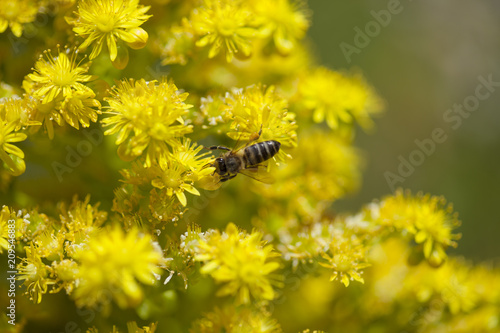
(259, 133)
(226, 178)
(217, 148)
(255, 136)
(207, 166)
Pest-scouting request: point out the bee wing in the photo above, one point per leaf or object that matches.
(251, 139)
(259, 174)
(238, 146)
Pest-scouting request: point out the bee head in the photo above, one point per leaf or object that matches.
(220, 166)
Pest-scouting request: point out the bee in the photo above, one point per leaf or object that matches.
(246, 160)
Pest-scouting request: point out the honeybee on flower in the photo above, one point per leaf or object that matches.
(247, 160)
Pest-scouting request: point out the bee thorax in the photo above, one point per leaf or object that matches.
(233, 164)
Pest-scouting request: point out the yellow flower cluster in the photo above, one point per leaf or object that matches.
(456, 297)
(113, 264)
(427, 219)
(346, 259)
(147, 117)
(71, 252)
(233, 27)
(242, 262)
(342, 250)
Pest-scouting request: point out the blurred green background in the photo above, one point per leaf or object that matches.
(426, 59)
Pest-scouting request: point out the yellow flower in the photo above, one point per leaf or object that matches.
(59, 76)
(80, 221)
(241, 262)
(113, 264)
(188, 155)
(78, 108)
(131, 204)
(43, 114)
(347, 259)
(12, 156)
(453, 281)
(304, 245)
(66, 273)
(214, 111)
(5, 215)
(56, 93)
(190, 240)
(427, 218)
(176, 45)
(19, 111)
(30, 224)
(255, 108)
(338, 98)
(148, 194)
(15, 13)
(283, 20)
(174, 178)
(232, 319)
(34, 273)
(224, 25)
(75, 109)
(50, 244)
(180, 169)
(146, 115)
(111, 22)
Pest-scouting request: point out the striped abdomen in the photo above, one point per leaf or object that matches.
(260, 152)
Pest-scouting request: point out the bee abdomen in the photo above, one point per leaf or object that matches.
(261, 152)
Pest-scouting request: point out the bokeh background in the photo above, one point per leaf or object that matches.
(425, 60)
